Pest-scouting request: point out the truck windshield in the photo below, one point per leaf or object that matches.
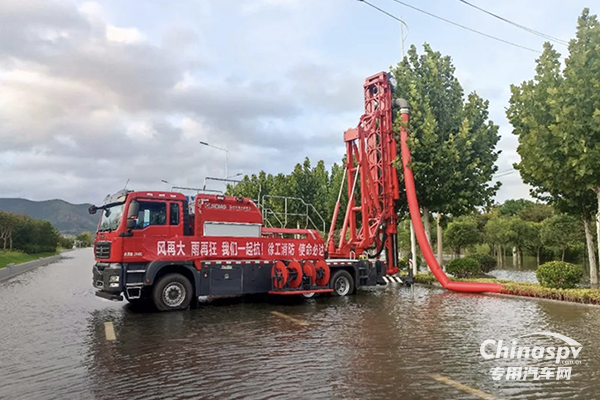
(111, 216)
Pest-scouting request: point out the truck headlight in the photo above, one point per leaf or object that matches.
(113, 278)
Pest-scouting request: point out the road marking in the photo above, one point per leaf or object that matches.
(109, 330)
(292, 319)
(464, 388)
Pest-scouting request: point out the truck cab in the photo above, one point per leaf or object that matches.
(127, 220)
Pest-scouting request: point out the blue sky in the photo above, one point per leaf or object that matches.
(95, 93)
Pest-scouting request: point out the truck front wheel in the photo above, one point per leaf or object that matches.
(342, 283)
(172, 292)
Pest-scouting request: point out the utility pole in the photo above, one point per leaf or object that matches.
(402, 37)
(413, 249)
(226, 156)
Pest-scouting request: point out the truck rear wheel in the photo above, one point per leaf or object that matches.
(342, 283)
(172, 292)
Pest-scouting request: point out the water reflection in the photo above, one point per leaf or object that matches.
(383, 343)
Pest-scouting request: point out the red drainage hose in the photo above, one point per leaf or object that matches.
(415, 216)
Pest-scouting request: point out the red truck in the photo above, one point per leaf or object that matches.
(153, 245)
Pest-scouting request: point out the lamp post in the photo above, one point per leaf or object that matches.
(226, 155)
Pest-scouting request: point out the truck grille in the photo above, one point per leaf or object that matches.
(102, 250)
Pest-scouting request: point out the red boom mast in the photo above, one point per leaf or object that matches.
(370, 223)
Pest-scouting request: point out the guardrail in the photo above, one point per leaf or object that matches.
(13, 270)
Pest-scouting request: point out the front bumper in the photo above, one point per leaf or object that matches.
(107, 278)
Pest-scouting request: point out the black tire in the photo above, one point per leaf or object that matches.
(341, 283)
(172, 292)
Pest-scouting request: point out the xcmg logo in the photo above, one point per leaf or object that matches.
(558, 354)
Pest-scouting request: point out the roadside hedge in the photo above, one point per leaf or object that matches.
(559, 275)
(463, 267)
(582, 295)
(486, 262)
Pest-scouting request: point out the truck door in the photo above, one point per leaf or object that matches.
(152, 225)
(175, 219)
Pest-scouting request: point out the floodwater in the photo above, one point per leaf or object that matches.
(393, 342)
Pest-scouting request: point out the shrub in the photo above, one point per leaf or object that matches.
(486, 262)
(463, 267)
(559, 275)
(403, 264)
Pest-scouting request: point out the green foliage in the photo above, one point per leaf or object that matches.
(522, 233)
(556, 119)
(535, 212)
(512, 207)
(66, 242)
(559, 275)
(498, 231)
(21, 232)
(314, 185)
(486, 262)
(453, 144)
(85, 239)
(584, 296)
(482, 248)
(426, 279)
(463, 267)
(403, 264)
(461, 233)
(561, 231)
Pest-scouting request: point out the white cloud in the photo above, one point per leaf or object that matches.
(123, 35)
(92, 95)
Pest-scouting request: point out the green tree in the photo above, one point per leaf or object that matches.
(66, 242)
(521, 236)
(535, 212)
(498, 232)
(8, 221)
(462, 233)
(453, 144)
(85, 239)
(561, 231)
(512, 207)
(556, 117)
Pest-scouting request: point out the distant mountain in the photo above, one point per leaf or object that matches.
(70, 219)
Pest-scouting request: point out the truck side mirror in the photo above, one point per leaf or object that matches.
(131, 223)
(92, 210)
(132, 214)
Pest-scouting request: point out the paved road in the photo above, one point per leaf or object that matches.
(386, 343)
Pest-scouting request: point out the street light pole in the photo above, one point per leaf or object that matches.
(226, 155)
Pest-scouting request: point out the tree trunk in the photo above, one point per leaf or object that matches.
(440, 245)
(562, 258)
(589, 239)
(499, 254)
(537, 258)
(514, 257)
(598, 221)
(427, 224)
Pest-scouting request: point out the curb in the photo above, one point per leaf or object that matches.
(13, 270)
(514, 296)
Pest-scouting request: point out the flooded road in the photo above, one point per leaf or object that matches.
(393, 342)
